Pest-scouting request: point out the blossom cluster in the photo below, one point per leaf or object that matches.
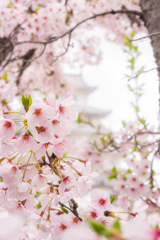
(37, 177)
(30, 24)
(47, 193)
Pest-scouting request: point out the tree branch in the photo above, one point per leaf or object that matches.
(143, 72)
(150, 35)
(8, 45)
(73, 210)
(53, 39)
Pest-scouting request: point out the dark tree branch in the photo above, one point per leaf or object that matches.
(7, 45)
(53, 39)
(150, 202)
(66, 2)
(25, 64)
(73, 209)
(132, 17)
(5, 48)
(66, 49)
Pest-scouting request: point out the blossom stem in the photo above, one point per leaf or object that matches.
(15, 156)
(55, 209)
(47, 204)
(18, 118)
(37, 195)
(14, 112)
(19, 130)
(122, 212)
(27, 165)
(12, 154)
(58, 172)
(31, 164)
(76, 159)
(72, 167)
(21, 157)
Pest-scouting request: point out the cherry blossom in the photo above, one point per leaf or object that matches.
(45, 191)
(7, 129)
(25, 143)
(100, 199)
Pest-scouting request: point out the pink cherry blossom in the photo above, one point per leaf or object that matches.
(7, 129)
(100, 199)
(39, 181)
(66, 110)
(6, 148)
(64, 144)
(25, 143)
(38, 114)
(67, 181)
(14, 224)
(43, 134)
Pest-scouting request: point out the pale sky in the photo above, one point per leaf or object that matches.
(112, 93)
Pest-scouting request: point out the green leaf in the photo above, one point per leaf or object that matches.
(133, 34)
(129, 171)
(131, 67)
(1, 179)
(136, 108)
(116, 225)
(114, 170)
(98, 228)
(5, 76)
(39, 205)
(126, 37)
(102, 139)
(142, 120)
(5, 103)
(135, 48)
(108, 135)
(124, 123)
(113, 198)
(114, 175)
(135, 149)
(99, 127)
(132, 60)
(29, 132)
(64, 210)
(94, 143)
(37, 9)
(79, 119)
(130, 88)
(38, 193)
(26, 101)
(10, 5)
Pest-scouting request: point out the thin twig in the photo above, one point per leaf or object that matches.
(150, 35)
(143, 72)
(149, 202)
(76, 214)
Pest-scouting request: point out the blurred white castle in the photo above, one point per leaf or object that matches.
(80, 93)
